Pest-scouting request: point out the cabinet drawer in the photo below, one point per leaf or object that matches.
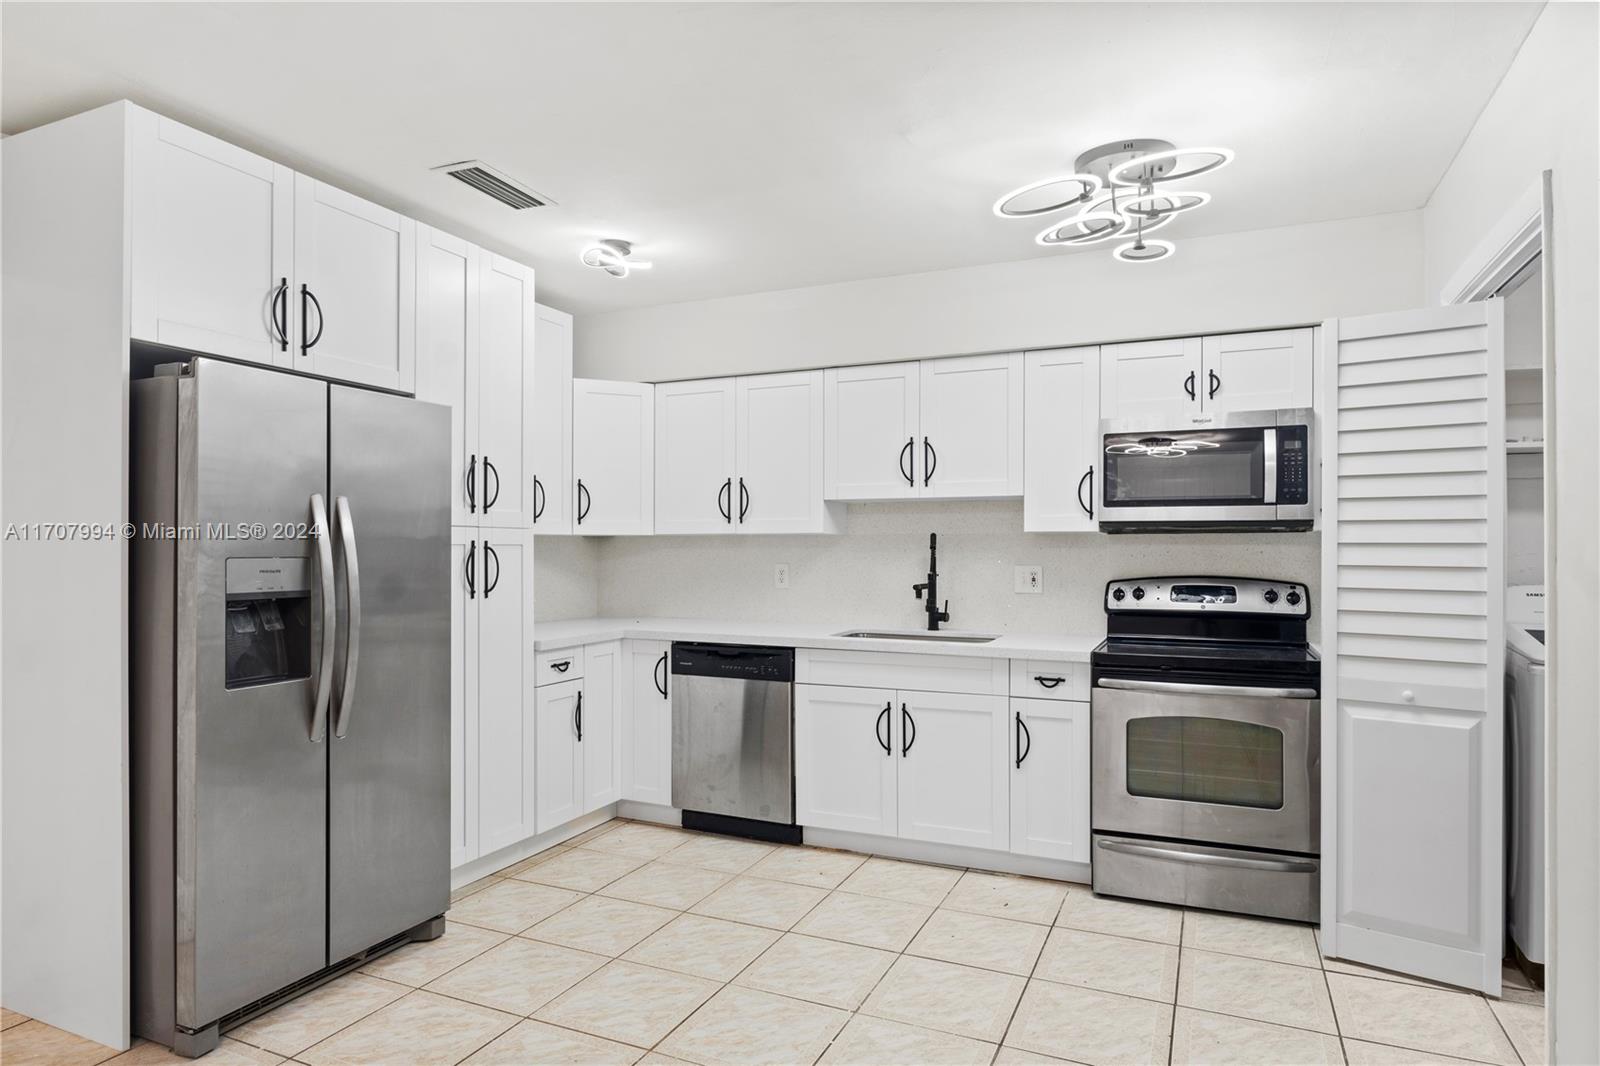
(1044, 679)
(565, 664)
(907, 670)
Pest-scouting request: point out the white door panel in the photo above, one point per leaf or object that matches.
(552, 421)
(1151, 378)
(780, 449)
(846, 755)
(600, 723)
(1257, 371)
(873, 422)
(972, 431)
(558, 775)
(647, 737)
(447, 351)
(1050, 779)
(463, 701)
(506, 325)
(954, 785)
(501, 584)
(1062, 440)
(694, 478)
(613, 457)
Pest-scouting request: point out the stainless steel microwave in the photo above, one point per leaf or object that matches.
(1248, 470)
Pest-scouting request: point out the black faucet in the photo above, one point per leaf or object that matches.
(931, 586)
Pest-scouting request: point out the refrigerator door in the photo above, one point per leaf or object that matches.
(389, 731)
(250, 778)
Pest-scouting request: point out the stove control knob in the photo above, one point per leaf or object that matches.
(1293, 599)
(1271, 595)
(1138, 592)
(1118, 595)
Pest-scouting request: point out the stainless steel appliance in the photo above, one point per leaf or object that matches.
(1239, 471)
(1206, 746)
(290, 666)
(733, 739)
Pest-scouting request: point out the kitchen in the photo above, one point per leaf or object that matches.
(776, 627)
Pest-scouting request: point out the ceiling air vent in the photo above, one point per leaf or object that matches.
(491, 182)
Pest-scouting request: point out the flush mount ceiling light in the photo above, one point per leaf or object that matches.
(1118, 189)
(612, 256)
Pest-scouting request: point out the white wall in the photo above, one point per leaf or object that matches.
(1545, 115)
(1275, 277)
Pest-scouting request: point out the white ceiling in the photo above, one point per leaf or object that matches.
(748, 147)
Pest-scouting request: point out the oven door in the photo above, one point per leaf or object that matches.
(1217, 474)
(1217, 764)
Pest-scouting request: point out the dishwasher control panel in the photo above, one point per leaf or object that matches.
(741, 661)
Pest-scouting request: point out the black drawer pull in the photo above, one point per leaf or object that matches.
(561, 667)
(1048, 682)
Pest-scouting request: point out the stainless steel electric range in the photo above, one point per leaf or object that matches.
(1206, 742)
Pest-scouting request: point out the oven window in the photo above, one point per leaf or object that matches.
(1174, 469)
(1206, 760)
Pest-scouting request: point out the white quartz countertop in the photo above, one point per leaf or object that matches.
(1059, 647)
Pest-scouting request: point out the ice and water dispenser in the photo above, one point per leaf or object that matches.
(268, 623)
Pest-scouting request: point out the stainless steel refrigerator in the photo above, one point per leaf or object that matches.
(290, 663)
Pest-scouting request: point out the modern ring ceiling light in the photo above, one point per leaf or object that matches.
(612, 256)
(1122, 189)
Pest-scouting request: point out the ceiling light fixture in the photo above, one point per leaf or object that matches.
(1116, 189)
(612, 256)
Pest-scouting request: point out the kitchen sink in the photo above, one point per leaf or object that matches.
(944, 637)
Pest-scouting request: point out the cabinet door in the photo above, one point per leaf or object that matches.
(213, 233)
(1257, 371)
(552, 421)
(845, 745)
(695, 456)
(355, 288)
(599, 723)
(780, 450)
(972, 426)
(873, 418)
(447, 354)
(953, 769)
(1062, 435)
(463, 697)
(1050, 779)
(647, 734)
(613, 465)
(502, 585)
(1160, 379)
(559, 773)
(506, 320)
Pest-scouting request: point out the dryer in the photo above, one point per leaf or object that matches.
(1525, 729)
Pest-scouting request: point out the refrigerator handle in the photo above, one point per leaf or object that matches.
(321, 534)
(352, 593)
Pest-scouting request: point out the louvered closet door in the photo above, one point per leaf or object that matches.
(1413, 491)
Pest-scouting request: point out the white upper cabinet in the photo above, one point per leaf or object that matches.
(694, 479)
(1258, 371)
(355, 288)
(552, 421)
(1050, 779)
(873, 419)
(780, 455)
(1151, 378)
(1062, 440)
(212, 247)
(447, 353)
(506, 330)
(972, 426)
(613, 457)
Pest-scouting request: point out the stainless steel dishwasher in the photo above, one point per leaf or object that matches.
(733, 739)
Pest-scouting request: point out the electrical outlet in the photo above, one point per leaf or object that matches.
(780, 576)
(1029, 579)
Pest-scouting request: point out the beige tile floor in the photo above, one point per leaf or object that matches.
(640, 943)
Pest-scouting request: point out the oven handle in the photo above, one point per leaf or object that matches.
(1208, 690)
(1150, 851)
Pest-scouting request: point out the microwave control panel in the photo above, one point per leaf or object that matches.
(1294, 478)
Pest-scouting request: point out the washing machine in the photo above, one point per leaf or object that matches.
(1525, 724)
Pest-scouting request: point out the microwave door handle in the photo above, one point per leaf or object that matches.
(1191, 688)
(352, 637)
(1269, 466)
(1239, 862)
(321, 534)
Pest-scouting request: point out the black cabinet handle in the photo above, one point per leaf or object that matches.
(725, 501)
(584, 501)
(538, 498)
(280, 313)
(562, 666)
(488, 468)
(930, 460)
(881, 728)
(1088, 476)
(1188, 385)
(1216, 383)
(472, 484)
(472, 566)
(307, 294)
(577, 716)
(492, 579)
(744, 501)
(908, 730)
(1023, 734)
(905, 456)
(1048, 682)
(660, 675)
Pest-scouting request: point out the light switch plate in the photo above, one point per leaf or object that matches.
(780, 576)
(1029, 579)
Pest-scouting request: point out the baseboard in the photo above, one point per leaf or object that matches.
(950, 855)
(484, 865)
(649, 812)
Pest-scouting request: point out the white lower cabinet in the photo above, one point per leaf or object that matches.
(499, 581)
(845, 758)
(1049, 746)
(647, 722)
(463, 702)
(579, 740)
(600, 725)
(558, 772)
